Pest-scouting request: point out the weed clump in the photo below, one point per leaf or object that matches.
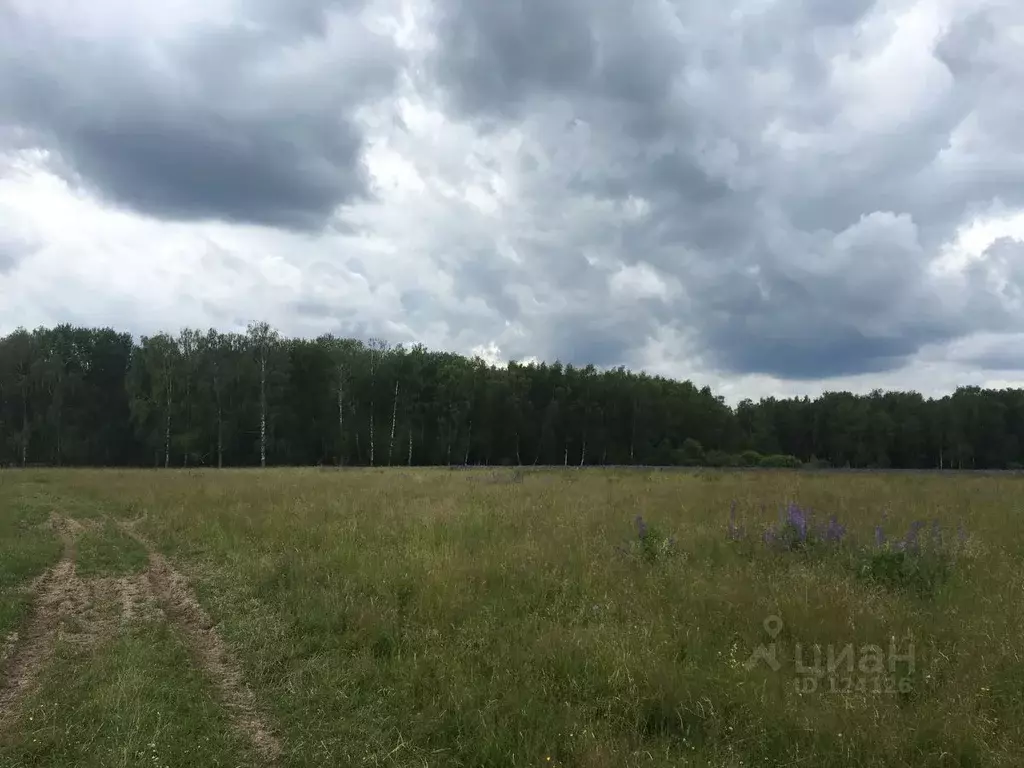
(650, 544)
(916, 564)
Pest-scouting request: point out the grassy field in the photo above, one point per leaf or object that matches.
(495, 618)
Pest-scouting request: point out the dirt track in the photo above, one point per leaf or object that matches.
(84, 612)
(174, 595)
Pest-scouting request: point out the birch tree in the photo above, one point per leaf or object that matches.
(265, 343)
(151, 383)
(378, 348)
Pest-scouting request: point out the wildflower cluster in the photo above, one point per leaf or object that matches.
(918, 562)
(796, 530)
(650, 544)
(915, 563)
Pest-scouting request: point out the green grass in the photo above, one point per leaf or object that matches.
(137, 701)
(27, 548)
(106, 550)
(428, 617)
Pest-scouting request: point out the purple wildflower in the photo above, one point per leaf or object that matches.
(798, 521)
(911, 541)
(834, 531)
(879, 537)
(641, 526)
(961, 534)
(936, 535)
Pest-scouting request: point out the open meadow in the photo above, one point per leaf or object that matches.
(591, 618)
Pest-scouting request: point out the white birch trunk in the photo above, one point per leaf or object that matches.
(167, 426)
(341, 418)
(449, 446)
(263, 410)
(220, 438)
(24, 427)
(394, 417)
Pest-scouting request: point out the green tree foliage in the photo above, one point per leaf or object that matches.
(80, 396)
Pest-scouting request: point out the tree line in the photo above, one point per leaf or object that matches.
(73, 396)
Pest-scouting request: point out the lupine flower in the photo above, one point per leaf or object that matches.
(961, 534)
(798, 520)
(641, 526)
(912, 543)
(936, 535)
(879, 537)
(834, 532)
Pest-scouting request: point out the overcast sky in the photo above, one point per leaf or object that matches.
(770, 197)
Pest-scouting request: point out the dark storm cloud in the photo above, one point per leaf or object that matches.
(1007, 357)
(804, 242)
(824, 304)
(201, 173)
(604, 343)
(227, 123)
(297, 17)
(822, 353)
(488, 278)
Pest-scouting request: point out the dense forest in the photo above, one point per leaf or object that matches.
(94, 397)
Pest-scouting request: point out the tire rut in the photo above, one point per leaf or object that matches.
(179, 604)
(58, 592)
(69, 608)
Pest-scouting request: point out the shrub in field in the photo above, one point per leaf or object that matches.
(815, 463)
(779, 461)
(750, 459)
(650, 544)
(717, 458)
(691, 454)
